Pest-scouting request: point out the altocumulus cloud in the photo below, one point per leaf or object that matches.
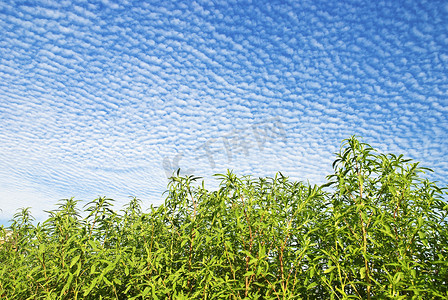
(110, 97)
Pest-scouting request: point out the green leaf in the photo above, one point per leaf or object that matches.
(420, 221)
(261, 252)
(67, 285)
(92, 285)
(74, 260)
(362, 272)
(107, 281)
(146, 291)
(78, 269)
(259, 270)
(311, 285)
(312, 271)
(397, 277)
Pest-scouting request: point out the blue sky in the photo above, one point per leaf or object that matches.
(108, 97)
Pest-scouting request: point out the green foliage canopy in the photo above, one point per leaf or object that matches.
(376, 230)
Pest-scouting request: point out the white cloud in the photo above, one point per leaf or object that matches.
(101, 99)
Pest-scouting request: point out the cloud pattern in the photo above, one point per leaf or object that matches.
(109, 97)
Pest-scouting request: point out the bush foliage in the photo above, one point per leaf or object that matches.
(376, 230)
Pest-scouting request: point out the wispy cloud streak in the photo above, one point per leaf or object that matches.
(109, 97)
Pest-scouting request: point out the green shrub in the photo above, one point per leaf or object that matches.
(376, 230)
